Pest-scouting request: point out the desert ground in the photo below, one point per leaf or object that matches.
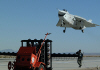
(88, 63)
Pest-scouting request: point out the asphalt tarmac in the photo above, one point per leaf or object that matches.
(88, 63)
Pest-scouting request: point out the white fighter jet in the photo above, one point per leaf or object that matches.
(73, 21)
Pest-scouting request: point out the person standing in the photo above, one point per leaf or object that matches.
(80, 58)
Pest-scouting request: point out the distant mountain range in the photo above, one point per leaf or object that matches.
(8, 50)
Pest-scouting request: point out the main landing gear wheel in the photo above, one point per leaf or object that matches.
(82, 31)
(64, 31)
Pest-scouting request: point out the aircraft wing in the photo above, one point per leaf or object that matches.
(89, 24)
(85, 22)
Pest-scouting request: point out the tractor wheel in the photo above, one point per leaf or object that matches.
(13, 65)
(9, 65)
(41, 67)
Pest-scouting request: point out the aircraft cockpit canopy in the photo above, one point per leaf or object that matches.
(64, 10)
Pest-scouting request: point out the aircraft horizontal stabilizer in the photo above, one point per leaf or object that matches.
(97, 25)
(90, 20)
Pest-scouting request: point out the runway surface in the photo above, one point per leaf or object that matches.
(62, 64)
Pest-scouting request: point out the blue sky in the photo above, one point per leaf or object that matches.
(24, 19)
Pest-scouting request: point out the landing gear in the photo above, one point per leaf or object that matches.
(82, 31)
(64, 30)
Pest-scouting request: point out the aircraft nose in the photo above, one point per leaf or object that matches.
(61, 13)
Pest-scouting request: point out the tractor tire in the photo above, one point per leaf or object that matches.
(9, 65)
(41, 67)
(13, 66)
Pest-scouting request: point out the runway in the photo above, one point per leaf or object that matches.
(88, 63)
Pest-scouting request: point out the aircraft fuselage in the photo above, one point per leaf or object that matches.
(73, 21)
(69, 20)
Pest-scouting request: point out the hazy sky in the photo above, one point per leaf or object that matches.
(24, 19)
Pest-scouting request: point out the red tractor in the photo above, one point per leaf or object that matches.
(35, 55)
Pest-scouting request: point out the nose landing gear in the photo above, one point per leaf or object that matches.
(64, 30)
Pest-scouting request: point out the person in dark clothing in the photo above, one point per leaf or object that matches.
(80, 58)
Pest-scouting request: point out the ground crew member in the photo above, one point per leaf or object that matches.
(80, 58)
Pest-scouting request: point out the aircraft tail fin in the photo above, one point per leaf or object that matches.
(90, 20)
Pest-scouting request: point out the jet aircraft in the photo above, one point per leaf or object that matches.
(73, 21)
